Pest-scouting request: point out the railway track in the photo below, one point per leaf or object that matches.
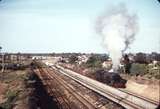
(126, 99)
(48, 82)
(48, 76)
(138, 96)
(70, 89)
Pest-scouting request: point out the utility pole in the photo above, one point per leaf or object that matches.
(2, 59)
(2, 64)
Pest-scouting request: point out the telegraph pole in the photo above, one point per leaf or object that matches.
(2, 64)
(1, 57)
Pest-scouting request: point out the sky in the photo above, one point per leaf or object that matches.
(39, 26)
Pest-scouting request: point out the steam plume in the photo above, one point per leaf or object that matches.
(117, 28)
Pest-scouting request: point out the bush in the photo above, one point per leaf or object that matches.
(145, 70)
(94, 61)
(154, 71)
(139, 69)
(11, 96)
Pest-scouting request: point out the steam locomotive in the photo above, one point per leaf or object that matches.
(110, 78)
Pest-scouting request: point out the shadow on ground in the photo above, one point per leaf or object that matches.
(39, 98)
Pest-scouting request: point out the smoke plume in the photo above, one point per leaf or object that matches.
(118, 29)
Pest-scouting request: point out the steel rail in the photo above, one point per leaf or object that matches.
(127, 100)
(50, 86)
(78, 96)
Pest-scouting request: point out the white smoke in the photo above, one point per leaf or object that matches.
(117, 28)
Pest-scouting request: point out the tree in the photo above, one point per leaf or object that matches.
(127, 64)
(139, 69)
(0, 49)
(94, 61)
(155, 56)
(140, 58)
